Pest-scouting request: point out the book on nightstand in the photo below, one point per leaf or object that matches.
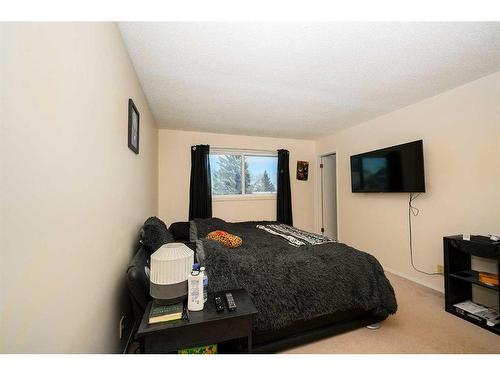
(165, 313)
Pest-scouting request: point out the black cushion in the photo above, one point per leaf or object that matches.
(154, 233)
(180, 230)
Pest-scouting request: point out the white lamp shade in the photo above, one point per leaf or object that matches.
(171, 264)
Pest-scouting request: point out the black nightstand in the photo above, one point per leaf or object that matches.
(459, 276)
(203, 328)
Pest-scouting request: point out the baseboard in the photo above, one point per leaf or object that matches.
(411, 278)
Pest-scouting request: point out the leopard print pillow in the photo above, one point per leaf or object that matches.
(227, 239)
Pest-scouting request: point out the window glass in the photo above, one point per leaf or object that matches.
(226, 174)
(261, 174)
(256, 175)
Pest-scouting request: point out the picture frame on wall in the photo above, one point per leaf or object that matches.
(133, 127)
(302, 170)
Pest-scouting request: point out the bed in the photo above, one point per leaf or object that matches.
(302, 292)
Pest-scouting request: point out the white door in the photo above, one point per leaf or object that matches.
(329, 195)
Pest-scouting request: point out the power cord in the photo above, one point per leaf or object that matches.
(412, 210)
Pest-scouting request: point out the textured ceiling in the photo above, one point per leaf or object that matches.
(300, 80)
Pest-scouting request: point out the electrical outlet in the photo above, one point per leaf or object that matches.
(440, 269)
(121, 327)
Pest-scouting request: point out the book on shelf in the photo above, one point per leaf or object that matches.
(490, 316)
(480, 313)
(165, 313)
(488, 278)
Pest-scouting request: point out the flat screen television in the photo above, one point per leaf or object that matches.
(396, 169)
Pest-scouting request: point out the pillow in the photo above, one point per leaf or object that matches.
(227, 239)
(201, 227)
(180, 230)
(193, 231)
(154, 233)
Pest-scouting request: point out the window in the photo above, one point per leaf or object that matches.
(239, 172)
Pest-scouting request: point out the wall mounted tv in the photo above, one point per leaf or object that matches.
(396, 169)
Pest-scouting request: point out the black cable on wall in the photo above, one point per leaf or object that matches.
(414, 211)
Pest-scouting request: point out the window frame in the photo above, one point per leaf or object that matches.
(243, 153)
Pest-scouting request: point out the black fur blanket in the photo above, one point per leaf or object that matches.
(287, 283)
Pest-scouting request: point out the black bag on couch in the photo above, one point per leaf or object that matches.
(154, 234)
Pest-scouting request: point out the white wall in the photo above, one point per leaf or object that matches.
(73, 196)
(175, 168)
(461, 133)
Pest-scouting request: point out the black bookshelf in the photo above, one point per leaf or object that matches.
(459, 277)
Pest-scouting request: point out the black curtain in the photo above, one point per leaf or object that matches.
(284, 198)
(200, 188)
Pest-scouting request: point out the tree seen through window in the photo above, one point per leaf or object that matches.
(228, 173)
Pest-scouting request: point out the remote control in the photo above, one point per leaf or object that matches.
(219, 305)
(231, 306)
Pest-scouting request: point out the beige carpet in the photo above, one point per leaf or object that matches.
(420, 326)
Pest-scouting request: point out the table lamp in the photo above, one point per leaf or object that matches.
(171, 265)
